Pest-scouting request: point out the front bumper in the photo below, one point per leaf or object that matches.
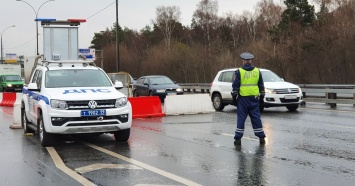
(275, 100)
(70, 121)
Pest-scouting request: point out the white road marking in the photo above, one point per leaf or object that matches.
(98, 166)
(143, 165)
(225, 134)
(60, 165)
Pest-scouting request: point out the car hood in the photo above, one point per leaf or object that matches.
(279, 85)
(165, 86)
(87, 93)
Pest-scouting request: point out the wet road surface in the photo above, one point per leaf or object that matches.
(313, 146)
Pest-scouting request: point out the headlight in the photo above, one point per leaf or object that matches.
(9, 85)
(299, 90)
(59, 104)
(160, 90)
(270, 91)
(121, 102)
(179, 90)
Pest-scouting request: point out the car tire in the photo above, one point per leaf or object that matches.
(135, 93)
(46, 139)
(122, 135)
(25, 122)
(217, 102)
(292, 108)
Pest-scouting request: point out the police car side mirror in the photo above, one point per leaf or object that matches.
(282, 79)
(33, 87)
(118, 85)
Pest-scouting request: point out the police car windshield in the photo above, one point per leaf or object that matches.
(269, 76)
(76, 78)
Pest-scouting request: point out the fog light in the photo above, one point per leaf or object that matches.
(270, 99)
(123, 116)
(57, 119)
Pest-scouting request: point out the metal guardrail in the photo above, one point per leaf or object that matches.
(331, 94)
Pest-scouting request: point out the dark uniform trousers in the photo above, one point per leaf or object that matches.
(248, 105)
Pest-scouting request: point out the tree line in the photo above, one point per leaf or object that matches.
(294, 40)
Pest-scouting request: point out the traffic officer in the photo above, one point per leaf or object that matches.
(248, 88)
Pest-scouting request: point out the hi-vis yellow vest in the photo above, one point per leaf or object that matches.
(249, 82)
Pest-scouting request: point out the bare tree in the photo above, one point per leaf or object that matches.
(167, 17)
(206, 16)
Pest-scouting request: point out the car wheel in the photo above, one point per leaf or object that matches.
(217, 102)
(292, 108)
(25, 122)
(122, 135)
(46, 139)
(135, 93)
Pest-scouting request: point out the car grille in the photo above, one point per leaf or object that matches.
(283, 100)
(170, 90)
(102, 104)
(287, 91)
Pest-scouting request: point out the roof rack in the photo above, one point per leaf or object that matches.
(60, 63)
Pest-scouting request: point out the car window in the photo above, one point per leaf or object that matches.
(145, 81)
(12, 78)
(227, 76)
(269, 76)
(140, 81)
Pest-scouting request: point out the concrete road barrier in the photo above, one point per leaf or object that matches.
(188, 104)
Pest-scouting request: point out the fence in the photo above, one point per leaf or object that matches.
(331, 94)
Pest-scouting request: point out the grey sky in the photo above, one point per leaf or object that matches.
(134, 14)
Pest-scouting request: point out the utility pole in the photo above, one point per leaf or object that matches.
(117, 41)
(101, 58)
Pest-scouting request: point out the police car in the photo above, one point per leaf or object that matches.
(73, 97)
(278, 93)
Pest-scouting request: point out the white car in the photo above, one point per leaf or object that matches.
(73, 97)
(277, 92)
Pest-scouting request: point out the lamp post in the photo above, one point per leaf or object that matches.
(36, 13)
(117, 41)
(2, 60)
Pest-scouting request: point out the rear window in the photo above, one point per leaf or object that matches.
(227, 76)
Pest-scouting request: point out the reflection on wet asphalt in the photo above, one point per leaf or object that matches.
(313, 146)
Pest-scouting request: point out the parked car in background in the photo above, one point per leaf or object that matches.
(11, 83)
(120, 77)
(156, 85)
(277, 92)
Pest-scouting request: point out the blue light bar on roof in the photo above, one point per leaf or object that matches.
(45, 19)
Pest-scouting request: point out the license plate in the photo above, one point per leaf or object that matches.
(290, 97)
(171, 93)
(93, 113)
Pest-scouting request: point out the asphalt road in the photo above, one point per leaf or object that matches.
(313, 146)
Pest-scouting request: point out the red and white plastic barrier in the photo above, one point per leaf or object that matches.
(146, 106)
(13, 99)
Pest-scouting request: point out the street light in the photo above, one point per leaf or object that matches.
(2, 60)
(36, 13)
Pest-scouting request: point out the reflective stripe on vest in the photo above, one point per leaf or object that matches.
(249, 82)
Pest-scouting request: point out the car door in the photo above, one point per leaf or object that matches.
(226, 79)
(33, 96)
(145, 87)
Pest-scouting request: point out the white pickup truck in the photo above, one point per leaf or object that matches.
(72, 97)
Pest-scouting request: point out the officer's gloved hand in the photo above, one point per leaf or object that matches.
(261, 96)
(234, 97)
